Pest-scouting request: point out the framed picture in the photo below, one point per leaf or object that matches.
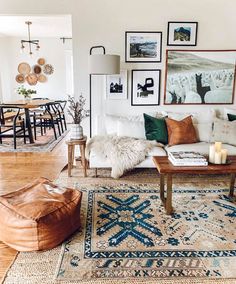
(117, 86)
(145, 88)
(200, 77)
(182, 33)
(143, 46)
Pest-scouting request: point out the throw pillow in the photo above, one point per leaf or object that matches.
(231, 117)
(224, 131)
(229, 110)
(181, 132)
(129, 128)
(155, 129)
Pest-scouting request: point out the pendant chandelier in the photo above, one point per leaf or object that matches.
(30, 42)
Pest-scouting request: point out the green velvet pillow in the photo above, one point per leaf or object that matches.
(155, 129)
(231, 117)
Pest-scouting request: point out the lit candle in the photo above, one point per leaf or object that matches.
(217, 157)
(224, 154)
(218, 146)
(212, 154)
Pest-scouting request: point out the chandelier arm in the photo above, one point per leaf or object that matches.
(30, 41)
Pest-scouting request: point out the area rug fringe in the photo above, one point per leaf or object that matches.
(48, 147)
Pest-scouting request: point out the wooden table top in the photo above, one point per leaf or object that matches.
(27, 103)
(164, 166)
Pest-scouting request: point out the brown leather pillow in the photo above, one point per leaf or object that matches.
(181, 132)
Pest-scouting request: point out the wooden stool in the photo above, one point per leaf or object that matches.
(71, 154)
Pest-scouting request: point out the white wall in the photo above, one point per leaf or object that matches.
(54, 52)
(105, 22)
(5, 78)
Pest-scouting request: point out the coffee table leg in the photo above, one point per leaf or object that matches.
(162, 188)
(232, 182)
(169, 208)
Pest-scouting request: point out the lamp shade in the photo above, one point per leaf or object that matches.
(104, 64)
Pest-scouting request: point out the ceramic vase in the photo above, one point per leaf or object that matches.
(76, 132)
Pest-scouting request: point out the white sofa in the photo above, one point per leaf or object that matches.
(133, 126)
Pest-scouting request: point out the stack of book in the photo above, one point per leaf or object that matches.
(187, 159)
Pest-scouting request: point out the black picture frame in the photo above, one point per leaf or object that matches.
(157, 59)
(182, 25)
(135, 98)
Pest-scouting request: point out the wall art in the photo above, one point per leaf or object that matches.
(182, 33)
(143, 46)
(117, 86)
(145, 88)
(200, 76)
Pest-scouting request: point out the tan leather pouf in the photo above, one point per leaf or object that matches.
(39, 216)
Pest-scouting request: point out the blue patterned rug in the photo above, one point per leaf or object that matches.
(127, 235)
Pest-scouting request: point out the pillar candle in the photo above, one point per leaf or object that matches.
(217, 157)
(212, 154)
(224, 154)
(218, 146)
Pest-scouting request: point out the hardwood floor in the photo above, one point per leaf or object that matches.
(16, 170)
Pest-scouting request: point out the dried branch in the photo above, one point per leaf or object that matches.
(76, 109)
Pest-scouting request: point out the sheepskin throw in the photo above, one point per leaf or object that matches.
(123, 153)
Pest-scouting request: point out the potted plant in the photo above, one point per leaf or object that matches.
(25, 92)
(78, 113)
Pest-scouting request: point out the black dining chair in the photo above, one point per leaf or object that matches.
(47, 119)
(12, 125)
(61, 109)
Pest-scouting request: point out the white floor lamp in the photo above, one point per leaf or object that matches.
(101, 64)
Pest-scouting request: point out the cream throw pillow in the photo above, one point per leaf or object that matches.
(224, 131)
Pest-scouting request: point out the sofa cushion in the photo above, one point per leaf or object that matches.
(224, 131)
(231, 117)
(111, 124)
(157, 151)
(201, 147)
(181, 132)
(203, 131)
(129, 128)
(39, 216)
(206, 116)
(155, 129)
(111, 121)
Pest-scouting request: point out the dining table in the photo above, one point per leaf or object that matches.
(27, 105)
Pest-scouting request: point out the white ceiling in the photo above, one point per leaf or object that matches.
(42, 26)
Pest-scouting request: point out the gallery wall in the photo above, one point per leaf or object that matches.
(105, 22)
(52, 50)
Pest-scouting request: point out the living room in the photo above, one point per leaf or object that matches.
(135, 217)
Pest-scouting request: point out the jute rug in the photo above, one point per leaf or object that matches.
(126, 236)
(45, 143)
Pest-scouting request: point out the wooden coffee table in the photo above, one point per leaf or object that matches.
(166, 170)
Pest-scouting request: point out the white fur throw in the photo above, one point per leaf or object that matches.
(124, 153)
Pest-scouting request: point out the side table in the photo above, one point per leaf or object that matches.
(71, 154)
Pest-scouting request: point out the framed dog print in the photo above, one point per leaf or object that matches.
(143, 46)
(117, 86)
(200, 77)
(182, 33)
(145, 88)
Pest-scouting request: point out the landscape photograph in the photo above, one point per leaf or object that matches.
(200, 77)
(182, 34)
(143, 46)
